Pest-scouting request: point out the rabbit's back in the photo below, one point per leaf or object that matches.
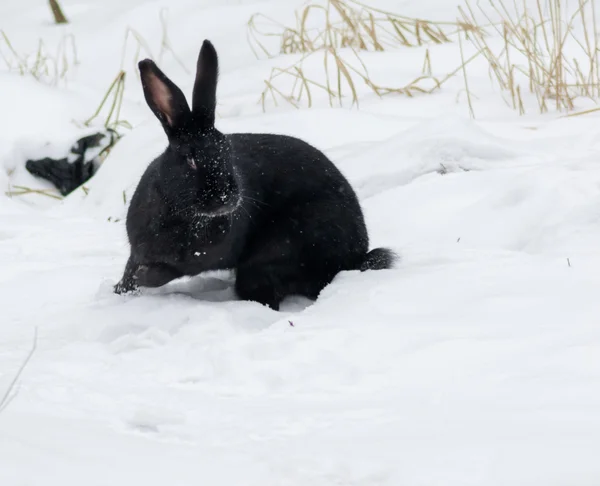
(286, 169)
(288, 183)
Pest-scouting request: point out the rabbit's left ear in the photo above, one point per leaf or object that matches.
(164, 98)
(204, 98)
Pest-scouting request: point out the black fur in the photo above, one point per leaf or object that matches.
(272, 207)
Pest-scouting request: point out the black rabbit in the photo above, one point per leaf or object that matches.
(272, 207)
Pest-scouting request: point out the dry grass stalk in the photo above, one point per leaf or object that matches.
(115, 94)
(22, 191)
(57, 13)
(348, 23)
(12, 390)
(555, 56)
(584, 112)
(426, 70)
(464, 71)
(43, 65)
(165, 43)
(142, 46)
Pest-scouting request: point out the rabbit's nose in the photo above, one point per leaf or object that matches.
(219, 202)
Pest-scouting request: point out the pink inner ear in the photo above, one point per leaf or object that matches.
(162, 97)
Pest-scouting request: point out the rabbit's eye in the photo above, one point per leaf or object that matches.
(191, 162)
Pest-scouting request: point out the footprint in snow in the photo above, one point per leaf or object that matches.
(158, 423)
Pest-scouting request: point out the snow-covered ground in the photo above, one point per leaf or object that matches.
(475, 362)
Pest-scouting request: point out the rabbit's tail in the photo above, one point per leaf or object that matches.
(378, 259)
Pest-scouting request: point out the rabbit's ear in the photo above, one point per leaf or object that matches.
(204, 99)
(164, 98)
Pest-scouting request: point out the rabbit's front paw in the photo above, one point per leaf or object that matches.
(128, 286)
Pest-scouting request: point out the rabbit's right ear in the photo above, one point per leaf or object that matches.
(164, 98)
(204, 98)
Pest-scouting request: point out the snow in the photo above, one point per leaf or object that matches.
(475, 362)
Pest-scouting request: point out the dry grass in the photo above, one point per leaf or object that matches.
(23, 191)
(113, 98)
(345, 23)
(530, 47)
(13, 387)
(322, 30)
(546, 51)
(43, 65)
(341, 80)
(142, 47)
